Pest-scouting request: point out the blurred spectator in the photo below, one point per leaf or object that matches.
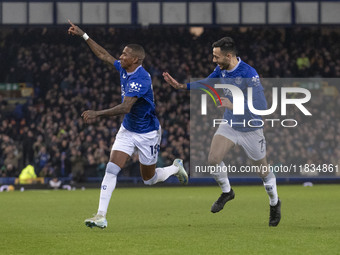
(77, 165)
(303, 64)
(101, 167)
(27, 175)
(55, 183)
(46, 171)
(42, 159)
(27, 148)
(91, 166)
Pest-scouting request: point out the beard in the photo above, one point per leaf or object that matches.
(224, 66)
(122, 64)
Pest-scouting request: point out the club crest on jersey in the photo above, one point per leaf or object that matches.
(135, 87)
(238, 80)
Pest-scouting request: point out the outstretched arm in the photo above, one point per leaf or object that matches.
(122, 108)
(99, 51)
(168, 78)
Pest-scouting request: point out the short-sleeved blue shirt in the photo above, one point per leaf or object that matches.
(242, 76)
(142, 117)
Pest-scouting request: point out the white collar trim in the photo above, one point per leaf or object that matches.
(134, 71)
(232, 70)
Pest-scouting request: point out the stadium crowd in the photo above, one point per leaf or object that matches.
(49, 133)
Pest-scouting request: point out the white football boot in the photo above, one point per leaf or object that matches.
(181, 174)
(97, 221)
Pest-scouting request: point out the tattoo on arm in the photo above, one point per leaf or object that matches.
(100, 52)
(122, 108)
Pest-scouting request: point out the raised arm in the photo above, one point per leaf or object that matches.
(98, 50)
(168, 78)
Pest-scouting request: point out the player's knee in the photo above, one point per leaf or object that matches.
(213, 160)
(112, 168)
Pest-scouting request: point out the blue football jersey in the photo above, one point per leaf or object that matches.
(242, 76)
(142, 117)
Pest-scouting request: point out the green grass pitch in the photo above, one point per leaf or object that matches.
(159, 220)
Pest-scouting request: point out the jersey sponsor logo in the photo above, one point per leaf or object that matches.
(123, 91)
(227, 92)
(256, 80)
(135, 87)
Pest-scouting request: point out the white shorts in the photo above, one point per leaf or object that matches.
(253, 142)
(147, 144)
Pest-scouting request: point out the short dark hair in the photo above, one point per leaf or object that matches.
(226, 44)
(137, 50)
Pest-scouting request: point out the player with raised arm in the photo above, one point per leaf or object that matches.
(140, 128)
(250, 138)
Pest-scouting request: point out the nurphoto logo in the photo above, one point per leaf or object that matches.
(239, 105)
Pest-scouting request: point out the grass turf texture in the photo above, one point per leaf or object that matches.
(173, 220)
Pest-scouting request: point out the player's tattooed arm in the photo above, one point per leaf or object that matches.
(168, 78)
(122, 108)
(98, 50)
